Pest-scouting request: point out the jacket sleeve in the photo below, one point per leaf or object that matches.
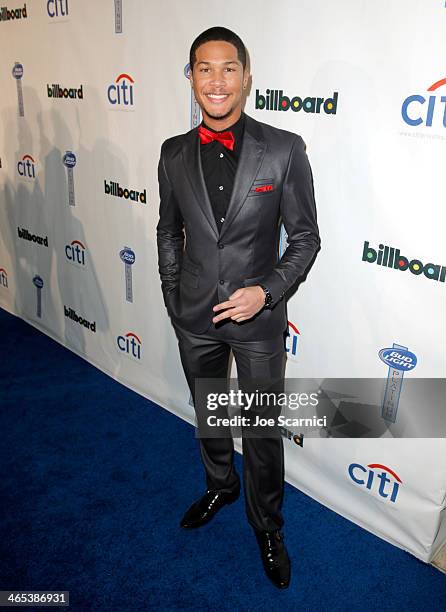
(169, 232)
(298, 212)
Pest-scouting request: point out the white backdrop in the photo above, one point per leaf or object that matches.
(378, 179)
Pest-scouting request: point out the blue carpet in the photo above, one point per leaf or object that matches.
(94, 479)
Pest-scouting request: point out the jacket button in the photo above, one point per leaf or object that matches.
(220, 245)
(222, 282)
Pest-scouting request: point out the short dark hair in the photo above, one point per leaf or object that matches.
(218, 33)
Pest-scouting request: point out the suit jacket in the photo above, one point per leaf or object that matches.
(200, 267)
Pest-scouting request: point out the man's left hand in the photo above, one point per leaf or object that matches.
(243, 304)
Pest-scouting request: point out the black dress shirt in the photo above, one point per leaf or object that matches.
(219, 167)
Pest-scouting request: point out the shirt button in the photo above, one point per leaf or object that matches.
(220, 245)
(222, 282)
(221, 155)
(222, 219)
(221, 187)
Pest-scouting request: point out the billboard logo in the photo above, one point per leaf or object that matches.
(120, 93)
(58, 91)
(274, 100)
(25, 234)
(75, 253)
(57, 8)
(391, 258)
(377, 478)
(7, 14)
(418, 109)
(130, 345)
(116, 190)
(3, 278)
(70, 313)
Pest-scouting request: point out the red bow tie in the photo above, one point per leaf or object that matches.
(226, 138)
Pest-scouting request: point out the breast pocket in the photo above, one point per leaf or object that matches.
(262, 187)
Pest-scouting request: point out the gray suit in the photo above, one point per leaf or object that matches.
(210, 266)
(200, 267)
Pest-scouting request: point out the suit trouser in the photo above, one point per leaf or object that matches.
(207, 356)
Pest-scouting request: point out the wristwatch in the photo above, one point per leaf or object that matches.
(268, 296)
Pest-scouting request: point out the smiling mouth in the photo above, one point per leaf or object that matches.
(216, 98)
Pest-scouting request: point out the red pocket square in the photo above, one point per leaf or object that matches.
(264, 188)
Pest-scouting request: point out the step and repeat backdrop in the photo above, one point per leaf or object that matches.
(90, 90)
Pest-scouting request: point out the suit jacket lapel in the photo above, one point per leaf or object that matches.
(251, 156)
(194, 171)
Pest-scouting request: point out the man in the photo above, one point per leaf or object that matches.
(224, 187)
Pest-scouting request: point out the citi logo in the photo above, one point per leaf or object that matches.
(116, 190)
(26, 167)
(415, 111)
(3, 278)
(58, 91)
(291, 341)
(75, 252)
(377, 478)
(392, 258)
(130, 344)
(120, 93)
(7, 14)
(274, 100)
(57, 8)
(26, 235)
(70, 313)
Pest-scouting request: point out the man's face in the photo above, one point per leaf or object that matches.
(218, 80)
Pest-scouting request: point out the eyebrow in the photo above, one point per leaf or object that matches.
(228, 62)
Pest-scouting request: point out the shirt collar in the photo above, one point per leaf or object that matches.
(236, 128)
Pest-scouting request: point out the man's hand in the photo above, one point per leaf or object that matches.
(243, 304)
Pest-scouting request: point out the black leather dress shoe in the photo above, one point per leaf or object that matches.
(207, 507)
(276, 562)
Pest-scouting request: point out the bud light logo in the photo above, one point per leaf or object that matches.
(69, 159)
(26, 167)
(75, 253)
(292, 341)
(120, 93)
(429, 110)
(377, 478)
(127, 256)
(130, 345)
(400, 359)
(3, 278)
(17, 71)
(38, 281)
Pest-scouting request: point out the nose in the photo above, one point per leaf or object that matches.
(218, 77)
